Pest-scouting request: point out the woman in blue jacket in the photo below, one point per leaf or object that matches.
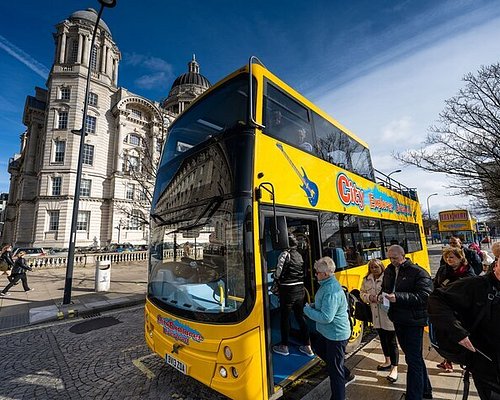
(332, 323)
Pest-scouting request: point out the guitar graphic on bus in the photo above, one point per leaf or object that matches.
(308, 186)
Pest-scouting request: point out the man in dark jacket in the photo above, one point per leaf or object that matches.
(454, 309)
(472, 257)
(290, 275)
(407, 287)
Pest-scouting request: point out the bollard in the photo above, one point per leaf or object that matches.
(102, 275)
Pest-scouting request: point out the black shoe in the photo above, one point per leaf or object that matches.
(384, 368)
(391, 379)
(427, 395)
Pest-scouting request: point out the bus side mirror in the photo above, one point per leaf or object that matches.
(279, 233)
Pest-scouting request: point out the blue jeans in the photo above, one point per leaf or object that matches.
(332, 352)
(410, 339)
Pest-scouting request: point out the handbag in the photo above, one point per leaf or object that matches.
(363, 311)
(4, 267)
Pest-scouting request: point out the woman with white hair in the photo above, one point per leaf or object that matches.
(329, 310)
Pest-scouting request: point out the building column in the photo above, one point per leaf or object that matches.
(62, 51)
(87, 51)
(103, 59)
(108, 61)
(80, 49)
(119, 148)
(115, 72)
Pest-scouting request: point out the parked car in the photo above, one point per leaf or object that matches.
(32, 251)
(119, 247)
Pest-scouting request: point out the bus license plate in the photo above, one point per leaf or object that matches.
(178, 365)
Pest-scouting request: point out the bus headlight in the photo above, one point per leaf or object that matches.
(228, 353)
(234, 371)
(223, 372)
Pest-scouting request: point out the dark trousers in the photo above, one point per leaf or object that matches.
(292, 298)
(410, 339)
(14, 279)
(332, 352)
(389, 345)
(484, 390)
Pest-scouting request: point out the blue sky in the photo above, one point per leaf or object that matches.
(382, 68)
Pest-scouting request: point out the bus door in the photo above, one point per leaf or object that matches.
(284, 369)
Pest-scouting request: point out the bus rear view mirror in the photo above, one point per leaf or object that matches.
(279, 233)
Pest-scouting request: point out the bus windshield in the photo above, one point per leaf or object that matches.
(197, 259)
(224, 108)
(202, 197)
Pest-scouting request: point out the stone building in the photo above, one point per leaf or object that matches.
(125, 133)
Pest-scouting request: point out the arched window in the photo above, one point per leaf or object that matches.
(134, 139)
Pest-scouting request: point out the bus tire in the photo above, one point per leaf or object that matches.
(356, 337)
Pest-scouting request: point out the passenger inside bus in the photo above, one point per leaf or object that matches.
(302, 140)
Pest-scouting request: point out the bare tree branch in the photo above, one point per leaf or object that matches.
(465, 143)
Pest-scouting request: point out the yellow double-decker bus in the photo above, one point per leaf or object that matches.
(458, 223)
(247, 163)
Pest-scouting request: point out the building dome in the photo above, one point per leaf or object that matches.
(186, 88)
(90, 15)
(192, 77)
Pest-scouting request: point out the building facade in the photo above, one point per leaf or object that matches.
(124, 137)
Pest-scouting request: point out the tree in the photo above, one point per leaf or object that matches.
(465, 142)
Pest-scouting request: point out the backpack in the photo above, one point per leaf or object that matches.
(351, 307)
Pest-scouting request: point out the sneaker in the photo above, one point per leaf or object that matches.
(306, 350)
(350, 380)
(281, 349)
(30, 290)
(4, 294)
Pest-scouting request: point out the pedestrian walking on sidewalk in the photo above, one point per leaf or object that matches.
(18, 274)
(407, 287)
(467, 312)
(332, 324)
(7, 261)
(371, 287)
(456, 267)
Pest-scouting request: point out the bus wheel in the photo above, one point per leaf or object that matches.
(356, 337)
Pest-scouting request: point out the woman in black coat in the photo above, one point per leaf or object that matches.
(6, 258)
(456, 267)
(18, 274)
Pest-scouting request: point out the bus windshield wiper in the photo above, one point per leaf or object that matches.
(207, 213)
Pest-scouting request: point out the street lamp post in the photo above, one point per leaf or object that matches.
(393, 172)
(429, 213)
(388, 176)
(74, 219)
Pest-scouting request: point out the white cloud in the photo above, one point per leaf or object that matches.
(406, 97)
(397, 130)
(23, 57)
(150, 81)
(161, 70)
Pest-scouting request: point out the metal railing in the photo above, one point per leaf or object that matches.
(392, 184)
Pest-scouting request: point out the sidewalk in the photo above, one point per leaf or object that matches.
(371, 384)
(128, 287)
